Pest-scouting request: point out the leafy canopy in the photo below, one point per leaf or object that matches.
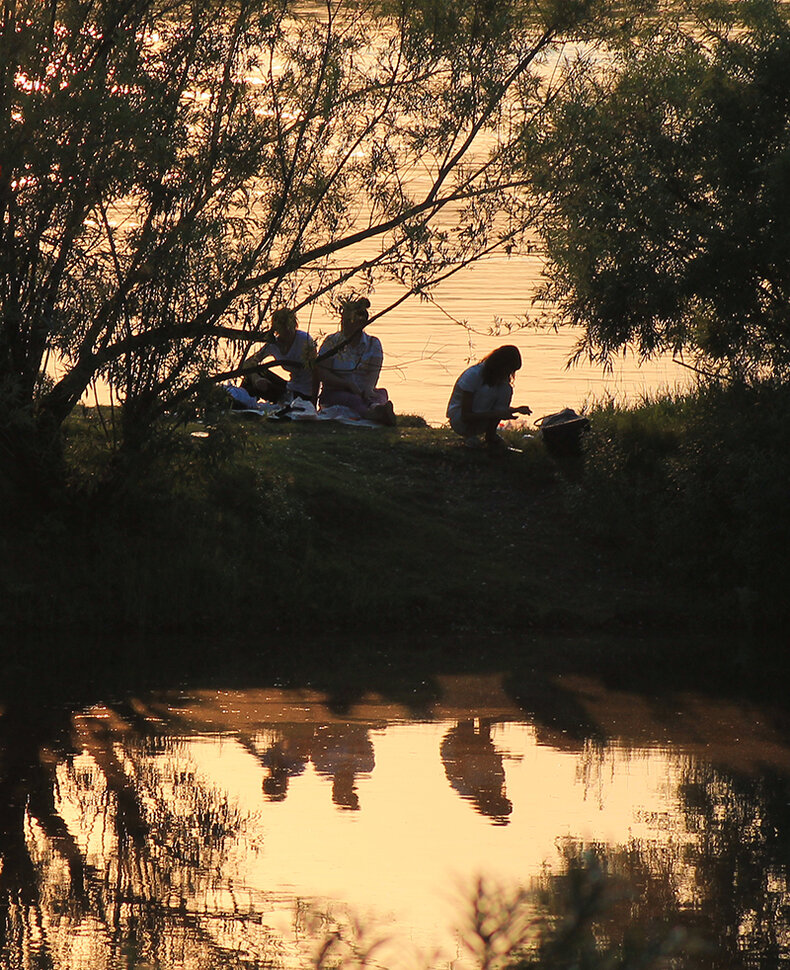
(172, 170)
(664, 169)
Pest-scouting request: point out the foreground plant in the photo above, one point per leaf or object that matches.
(583, 917)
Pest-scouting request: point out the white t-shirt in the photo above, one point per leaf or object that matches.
(487, 397)
(360, 363)
(301, 351)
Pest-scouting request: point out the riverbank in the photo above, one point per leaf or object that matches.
(261, 528)
(269, 531)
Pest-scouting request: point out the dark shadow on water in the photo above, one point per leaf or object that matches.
(71, 674)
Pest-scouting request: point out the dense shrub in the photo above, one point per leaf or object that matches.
(696, 486)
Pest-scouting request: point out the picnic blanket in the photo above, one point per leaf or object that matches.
(296, 410)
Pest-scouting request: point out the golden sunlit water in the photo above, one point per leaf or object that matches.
(227, 828)
(428, 342)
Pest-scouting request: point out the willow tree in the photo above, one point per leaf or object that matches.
(172, 169)
(664, 169)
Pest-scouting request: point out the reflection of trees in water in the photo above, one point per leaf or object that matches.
(474, 768)
(114, 852)
(741, 861)
(719, 889)
(591, 914)
(725, 872)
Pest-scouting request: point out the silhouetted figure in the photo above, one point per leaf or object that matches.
(287, 758)
(294, 351)
(342, 751)
(481, 398)
(349, 376)
(474, 769)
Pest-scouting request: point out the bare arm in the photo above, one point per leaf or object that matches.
(254, 359)
(504, 414)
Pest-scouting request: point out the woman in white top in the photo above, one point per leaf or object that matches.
(294, 351)
(482, 395)
(349, 374)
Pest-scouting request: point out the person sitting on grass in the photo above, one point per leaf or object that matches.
(481, 398)
(350, 373)
(293, 350)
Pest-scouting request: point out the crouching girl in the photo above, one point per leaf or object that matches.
(482, 395)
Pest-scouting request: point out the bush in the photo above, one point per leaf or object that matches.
(696, 486)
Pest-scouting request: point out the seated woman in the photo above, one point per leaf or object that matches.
(349, 375)
(294, 351)
(481, 397)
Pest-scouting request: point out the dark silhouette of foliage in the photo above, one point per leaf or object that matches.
(172, 171)
(664, 169)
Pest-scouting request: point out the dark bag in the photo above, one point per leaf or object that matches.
(562, 431)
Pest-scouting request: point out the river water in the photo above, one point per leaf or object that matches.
(217, 828)
(428, 342)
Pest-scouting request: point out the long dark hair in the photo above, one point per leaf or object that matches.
(501, 365)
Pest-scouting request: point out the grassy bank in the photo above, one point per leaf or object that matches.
(675, 519)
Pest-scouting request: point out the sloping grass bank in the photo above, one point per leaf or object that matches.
(696, 487)
(676, 520)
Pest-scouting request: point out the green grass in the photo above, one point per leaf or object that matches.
(675, 519)
(264, 526)
(695, 488)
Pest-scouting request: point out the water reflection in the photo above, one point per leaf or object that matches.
(286, 758)
(230, 829)
(474, 768)
(338, 751)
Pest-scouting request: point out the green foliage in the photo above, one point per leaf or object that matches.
(328, 530)
(695, 486)
(675, 515)
(664, 172)
(171, 541)
(169, 168)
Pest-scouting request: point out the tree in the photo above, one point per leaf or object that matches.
(664, 170)
(171, 170)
